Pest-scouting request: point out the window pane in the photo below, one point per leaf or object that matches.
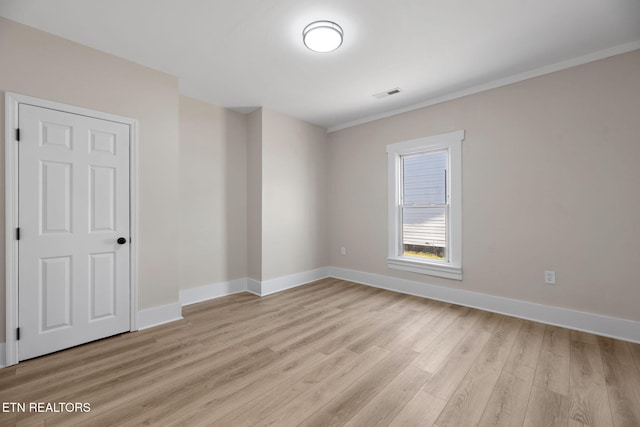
(424, 232)
(424, 178)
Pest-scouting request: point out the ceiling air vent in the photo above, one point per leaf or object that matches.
(387, 93)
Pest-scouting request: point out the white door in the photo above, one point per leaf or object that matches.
(73, 249)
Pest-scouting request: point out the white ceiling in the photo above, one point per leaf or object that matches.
(248, 53)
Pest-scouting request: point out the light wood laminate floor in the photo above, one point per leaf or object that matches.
(336, 353)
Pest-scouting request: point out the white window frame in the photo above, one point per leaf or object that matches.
(452, 143)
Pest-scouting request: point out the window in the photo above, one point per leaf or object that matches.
(425, 205)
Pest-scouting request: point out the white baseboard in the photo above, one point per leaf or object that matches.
(612, 327)
(280, 284)
(254, 286)
(215, 290)
(267, 287)
(156, 316)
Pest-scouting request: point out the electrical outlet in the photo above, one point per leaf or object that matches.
(550, 277)
(343, 251)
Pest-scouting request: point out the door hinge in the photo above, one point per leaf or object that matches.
(18, 334)
(18, 233)
(18, 134)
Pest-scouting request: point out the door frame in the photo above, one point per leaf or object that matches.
(12, 102)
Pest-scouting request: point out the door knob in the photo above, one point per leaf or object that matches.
(121, 240)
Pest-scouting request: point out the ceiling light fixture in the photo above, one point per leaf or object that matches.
(322, 36)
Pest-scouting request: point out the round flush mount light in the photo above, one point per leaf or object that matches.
(322, 36)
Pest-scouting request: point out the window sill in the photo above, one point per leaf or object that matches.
(431, 269)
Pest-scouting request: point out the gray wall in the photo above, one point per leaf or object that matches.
(213, 194)
(550, 182)
(294, 196)
(287, 196)
(254, 196)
